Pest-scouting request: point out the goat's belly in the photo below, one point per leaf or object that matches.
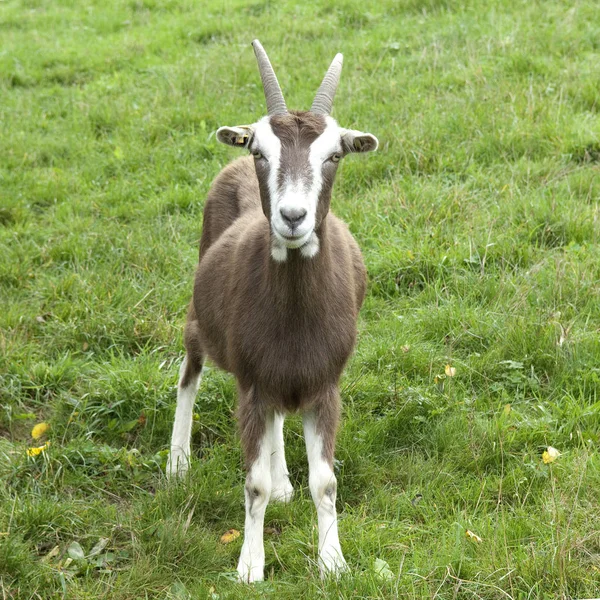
(287, 371)
(290, 372)
(287, 374)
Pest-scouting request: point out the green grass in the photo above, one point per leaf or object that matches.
(478, 220)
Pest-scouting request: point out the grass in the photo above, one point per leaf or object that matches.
(478, 220)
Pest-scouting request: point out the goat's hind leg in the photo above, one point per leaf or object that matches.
(190, 374)
(281, 490)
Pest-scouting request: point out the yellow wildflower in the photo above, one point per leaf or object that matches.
(450, 371)
(550, 455)
(39, 430)
(37, 450)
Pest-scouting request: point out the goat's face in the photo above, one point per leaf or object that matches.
(296, 156)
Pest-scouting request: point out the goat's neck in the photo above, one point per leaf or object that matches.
(300, 280)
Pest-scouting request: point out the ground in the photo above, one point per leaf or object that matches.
(479, 339)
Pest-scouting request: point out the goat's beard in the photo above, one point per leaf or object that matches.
(308, 245)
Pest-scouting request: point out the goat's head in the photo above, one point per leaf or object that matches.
(296, 155)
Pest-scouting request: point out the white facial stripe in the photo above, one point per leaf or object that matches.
(270, 147)
(322, 148)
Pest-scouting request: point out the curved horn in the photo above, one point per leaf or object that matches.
(324, 99)
(275, 101)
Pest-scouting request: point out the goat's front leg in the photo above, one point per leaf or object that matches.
(257, 440)
(189, 379)
(281, 490)
(320, 427)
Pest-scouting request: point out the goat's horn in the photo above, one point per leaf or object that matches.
(324, 99)
(275, 101)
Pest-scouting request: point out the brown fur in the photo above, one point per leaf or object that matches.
(284, 329)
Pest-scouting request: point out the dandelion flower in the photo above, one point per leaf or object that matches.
(37, 450)
(39, 430)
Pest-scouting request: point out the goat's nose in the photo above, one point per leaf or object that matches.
(293, 215)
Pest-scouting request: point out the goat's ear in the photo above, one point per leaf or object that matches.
(238, 137)
(357, 141)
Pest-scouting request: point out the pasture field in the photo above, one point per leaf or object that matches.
(479, 339)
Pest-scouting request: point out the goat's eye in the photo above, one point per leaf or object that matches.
(335, 157)
(257, 154)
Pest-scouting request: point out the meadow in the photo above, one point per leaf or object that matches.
(478, 342)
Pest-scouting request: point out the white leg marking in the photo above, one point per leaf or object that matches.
(281, 489)
(179, 456)
(257, 492)
(323, 488)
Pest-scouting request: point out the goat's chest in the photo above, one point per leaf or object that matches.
(291, 350)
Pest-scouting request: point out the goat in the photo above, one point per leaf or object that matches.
(277, 291)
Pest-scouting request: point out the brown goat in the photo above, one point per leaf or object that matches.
(276, 298)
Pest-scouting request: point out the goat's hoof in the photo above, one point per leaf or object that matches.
(333, 565)
(248, 574)
(283, 493)
(177, 465)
